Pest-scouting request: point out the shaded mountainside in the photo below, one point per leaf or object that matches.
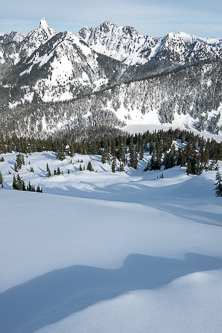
(190, 95)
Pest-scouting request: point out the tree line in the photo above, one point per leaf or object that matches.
(170, 148)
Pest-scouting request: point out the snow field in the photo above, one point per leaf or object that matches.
(104, 252)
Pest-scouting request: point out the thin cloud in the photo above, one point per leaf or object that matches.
(146, 16)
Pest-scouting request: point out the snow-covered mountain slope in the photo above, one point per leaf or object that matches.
(36, 38)
(13, 36)
(121, 43)
(188, 98)
(144, 79)
(16, 46)
(64, 68)
(103, 252)
(58, 66)
(127, 45)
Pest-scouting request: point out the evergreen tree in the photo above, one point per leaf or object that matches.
(120, 152)
(60, 154)
(20, 160)
(133, 155)
(18, 183)
(141, 152)
(121, 167)
(1, 179)
(218, 185)
(89, 167)
(80, 167)
(58, 171)
(194, 165)
(104, 156)
(148, 167)
(114, 164)
(39, 189)
(48, 174)
(181, 158)
(30, 187)
(72, 150)
(14, 183)
(155, 162)
(205, 158)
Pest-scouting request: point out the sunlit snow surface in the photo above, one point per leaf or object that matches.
(104, 252)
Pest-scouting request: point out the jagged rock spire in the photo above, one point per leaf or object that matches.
(43, 24)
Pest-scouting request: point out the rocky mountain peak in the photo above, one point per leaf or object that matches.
(106, 26)
(132, 32)
(13, 36)
(43, 24)
(45, 29)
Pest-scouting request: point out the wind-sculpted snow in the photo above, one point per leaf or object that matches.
(65, 291)
(109, 252)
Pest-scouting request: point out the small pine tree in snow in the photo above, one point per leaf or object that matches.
(60, 154)
(218, 185)
(39, 189)
(14, 184)
(89, 166)
(48, 174)
(58, 171)
(30, 187)
(20, 160)
(1, 179)
(18, 183)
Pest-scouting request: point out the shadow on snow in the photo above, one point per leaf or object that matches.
(55, 295)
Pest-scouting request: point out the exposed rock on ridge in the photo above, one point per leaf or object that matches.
(108, 75)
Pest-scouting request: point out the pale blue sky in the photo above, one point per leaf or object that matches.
(154, 18)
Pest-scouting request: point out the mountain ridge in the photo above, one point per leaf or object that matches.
(47, 66)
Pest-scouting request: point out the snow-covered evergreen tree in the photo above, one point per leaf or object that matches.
(1, 179)
(218, 185)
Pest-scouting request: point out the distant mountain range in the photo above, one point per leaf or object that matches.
(109, 75)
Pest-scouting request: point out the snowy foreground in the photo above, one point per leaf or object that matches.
(103, 252)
